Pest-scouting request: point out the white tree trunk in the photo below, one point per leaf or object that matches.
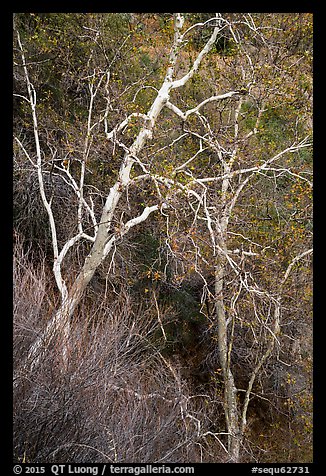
(230, 390)
(105, 237)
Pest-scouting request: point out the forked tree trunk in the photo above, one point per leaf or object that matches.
(59, 325)
(105, 237)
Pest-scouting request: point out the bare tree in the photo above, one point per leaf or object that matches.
(211, 195)
(236, 172)
(104, 237)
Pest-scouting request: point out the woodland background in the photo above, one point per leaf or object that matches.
(137, 374)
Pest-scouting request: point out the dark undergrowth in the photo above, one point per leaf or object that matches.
(130, 392)
(118, 400)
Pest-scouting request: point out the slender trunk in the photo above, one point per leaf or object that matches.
(230, 391)
(232, 417)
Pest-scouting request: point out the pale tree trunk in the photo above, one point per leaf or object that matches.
(236, 416)
(224, 345)
(104, 237)
(230, 390)
(101, 247)
(60, 323)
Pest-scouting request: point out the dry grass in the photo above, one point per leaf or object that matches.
(119, 399)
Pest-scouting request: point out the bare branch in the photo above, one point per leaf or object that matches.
(185, 115)
(182, 81)
(293, 262)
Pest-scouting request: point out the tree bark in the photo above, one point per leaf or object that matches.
(230, 390)
(105, 237)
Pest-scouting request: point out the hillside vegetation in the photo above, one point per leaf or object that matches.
(162, 237)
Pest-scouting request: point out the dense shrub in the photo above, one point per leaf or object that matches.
(119, 399)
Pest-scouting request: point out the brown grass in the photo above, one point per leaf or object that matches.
(119, 399)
